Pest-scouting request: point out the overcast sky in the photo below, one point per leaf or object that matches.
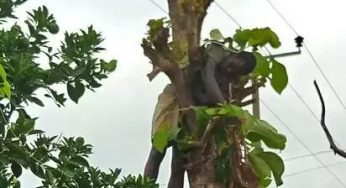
(117, 118)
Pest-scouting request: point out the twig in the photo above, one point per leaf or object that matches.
(205, 137)
(160, 58)
(154, 73)
(333, 146)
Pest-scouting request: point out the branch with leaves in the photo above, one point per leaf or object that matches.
(58, 162)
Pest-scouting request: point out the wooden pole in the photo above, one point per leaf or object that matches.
(256, 104)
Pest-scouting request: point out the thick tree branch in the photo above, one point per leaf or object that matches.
(324, 126)
(187, 17)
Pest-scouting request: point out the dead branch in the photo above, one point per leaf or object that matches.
(161, 42)
(333, 146)
(159, 58)
(205, 137)
(154, 73)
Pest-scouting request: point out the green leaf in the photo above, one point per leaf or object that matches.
(36, 101)
(7, 89)
(201, 116)
(261, 130)
(75, 92)
(211, 111)
(202, 119)
(60, 99)
(154, 26)
(274, 40)
(27, 126)
(276, 165)
(24, 124)
(260, 167)
(4, 183)
(215, 34)
(160, 140)
(109, 67)
(68, 171)
(241, 37)
(49, 176)
(173, 133)
(17, 151)
(16, 169)
(231, 111)
(55, 75)
(33, 132)
(37, 170)
(2, 73)
(80, 161)
(262, 65)
(256, 37)
(80, 141)
(279, 77)
(53, 28)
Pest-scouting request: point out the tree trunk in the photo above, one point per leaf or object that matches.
(186, 17)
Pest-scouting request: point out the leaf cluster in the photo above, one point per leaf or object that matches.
(28, 63)
(267, 68)
(265, 164)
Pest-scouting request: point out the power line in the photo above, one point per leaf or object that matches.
(159, 6)
(282, 17)
(324, 75)
(227, 14)
(315, 63)
(307, 155)
(313, 169)
(310, 54)
(304, 102)
(303, 144)
(267, 50)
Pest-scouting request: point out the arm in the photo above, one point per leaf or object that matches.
(212, 89)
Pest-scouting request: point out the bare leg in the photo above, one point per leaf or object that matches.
(152, 166)
(177, 170)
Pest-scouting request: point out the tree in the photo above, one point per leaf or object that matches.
(218, 144)
(29, 64)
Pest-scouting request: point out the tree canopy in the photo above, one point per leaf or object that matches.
(29, 66)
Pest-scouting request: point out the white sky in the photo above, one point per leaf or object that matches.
(117, 118)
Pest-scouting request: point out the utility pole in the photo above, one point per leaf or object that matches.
(256, 105)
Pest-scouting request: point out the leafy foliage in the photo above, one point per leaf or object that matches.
(257, 37)
(164, 135)
(255, 131)
(59, 162)
(178, 48)
(266, 68)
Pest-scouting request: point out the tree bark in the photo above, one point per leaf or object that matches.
(187, 17)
